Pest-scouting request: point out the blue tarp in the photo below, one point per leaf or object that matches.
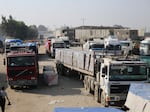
(82, 109)
(13, 40)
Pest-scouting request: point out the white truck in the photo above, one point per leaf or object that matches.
(112, 43)
(97, 44)
(56, 43)
(109, 77)
(126, 46)
(66, 41)
(145, 46)
(145, 52)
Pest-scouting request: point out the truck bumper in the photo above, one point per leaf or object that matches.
(117, 100)
(23, 83)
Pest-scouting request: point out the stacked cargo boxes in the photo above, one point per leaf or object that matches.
(79, 59)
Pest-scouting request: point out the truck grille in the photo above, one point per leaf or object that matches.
(119, 88)
(20, 72)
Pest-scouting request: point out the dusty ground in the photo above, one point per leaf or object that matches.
(68, 93)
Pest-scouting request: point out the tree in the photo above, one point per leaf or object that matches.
(17, 29)
(42, 28)
(32, 32)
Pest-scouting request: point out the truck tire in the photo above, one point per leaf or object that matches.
(60, 69)
(87, 85)
(103, 99)
(97, 94)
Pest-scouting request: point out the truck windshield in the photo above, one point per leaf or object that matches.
(113, 47)
(21, 61)
(97, 46)
(128, 73)
(58, 45)
(125, 44)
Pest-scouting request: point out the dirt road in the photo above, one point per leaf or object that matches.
(68, 93)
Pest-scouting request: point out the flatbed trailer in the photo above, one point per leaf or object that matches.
(108, 77)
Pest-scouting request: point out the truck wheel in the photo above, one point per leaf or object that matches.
(61, 69)
(87, 85)
(103, 99)
(97, 94)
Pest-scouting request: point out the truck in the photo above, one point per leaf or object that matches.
(48, 45)
(126, 46)
(9, 42)
(66, 41)
(112, 43)
(107, 77)
(22, 68)
(31, 46)
(145, 47)
(56, 44)
(97, 44)
(145, 51)
(109, 45)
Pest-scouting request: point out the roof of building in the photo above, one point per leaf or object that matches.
(100, 27)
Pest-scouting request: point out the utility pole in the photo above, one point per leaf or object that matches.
(83, 19)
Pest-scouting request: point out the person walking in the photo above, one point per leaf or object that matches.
(3, 96)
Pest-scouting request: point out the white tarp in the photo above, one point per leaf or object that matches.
(138, 99)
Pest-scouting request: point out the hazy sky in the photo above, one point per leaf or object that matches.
(56, 13)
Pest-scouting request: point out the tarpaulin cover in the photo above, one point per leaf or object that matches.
(82, 109)
(141, 89)
(138, 99)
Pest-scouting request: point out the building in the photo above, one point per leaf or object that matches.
(84, 33)
(125, 34)
(65, 31)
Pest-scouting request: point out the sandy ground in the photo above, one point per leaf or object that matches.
(68, 93)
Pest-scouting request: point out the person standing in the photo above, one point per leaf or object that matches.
(3, 96)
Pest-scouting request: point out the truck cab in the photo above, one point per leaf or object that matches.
(95, 45)
(116, 75)
(126, 46)
(145, 47)
(112, 44)
(66, 41)
(22, 68)
(56, 44)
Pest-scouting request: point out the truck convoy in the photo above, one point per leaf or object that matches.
(22, 68)
(109, 77)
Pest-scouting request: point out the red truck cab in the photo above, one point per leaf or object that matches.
(22, 69)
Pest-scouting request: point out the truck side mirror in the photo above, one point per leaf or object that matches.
(104, 70)
(4, 61)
